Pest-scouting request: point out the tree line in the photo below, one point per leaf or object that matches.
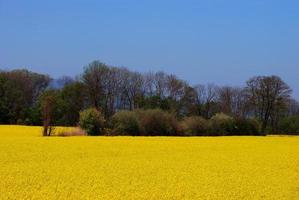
(34, 99)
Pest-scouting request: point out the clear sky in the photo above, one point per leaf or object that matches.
(202, 41)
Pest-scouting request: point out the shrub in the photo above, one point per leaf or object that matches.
(194, 125)
(125, 123)
(290, 125)
(221, 124)
(247, 127)
(92, 121)
(71, 132)
(155, 122)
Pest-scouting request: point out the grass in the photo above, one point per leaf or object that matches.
(35, 167)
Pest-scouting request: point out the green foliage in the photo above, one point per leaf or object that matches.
(290, 125)
(164, 98)
(155, 122)
(247, 127)
(92, 121)
(19, 91)
(126, 123)
(94, 77)
(71, 102)
(221, 125)
(195, 126)
(49, 109)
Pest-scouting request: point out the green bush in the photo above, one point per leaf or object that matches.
(125, 123)
(194, 126)
(92, 121)
(221, 124)
(247, 127)
(289, 125)
(155, 122)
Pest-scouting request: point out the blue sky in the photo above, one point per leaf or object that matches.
(220, 41)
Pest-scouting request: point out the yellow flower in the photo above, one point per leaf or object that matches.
(36, 167)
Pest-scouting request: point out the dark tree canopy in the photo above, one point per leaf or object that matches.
(268, 96)
(110, 89)
(19, 90)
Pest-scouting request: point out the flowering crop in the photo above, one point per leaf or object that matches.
(36, 167)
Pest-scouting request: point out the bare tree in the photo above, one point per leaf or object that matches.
(200, 98)
(160, 83)
(65, 80)
(293, 107)
(188, 101)
(206, 99)
(133, 89)
(155, 84)
(149, 87)
(233, 101)
(268, 96)
(175, 87)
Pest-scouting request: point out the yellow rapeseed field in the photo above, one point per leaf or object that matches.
(35, 167)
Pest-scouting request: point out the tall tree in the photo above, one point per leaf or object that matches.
(71, 100)
(233, 101)
(49, 108)
(206, 98)
(94, 78)
(293, 107)
(268, 96)
(19, 91)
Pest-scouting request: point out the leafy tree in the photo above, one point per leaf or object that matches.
(247, 127)
(92, 121)
(268, 96)
(110, 89)
(221, 125)
(195, 126)
(126, 123)
(155, 122)
(19, 90)
(71, 102)
(49, 111)
(289, 125)
(94, 79)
